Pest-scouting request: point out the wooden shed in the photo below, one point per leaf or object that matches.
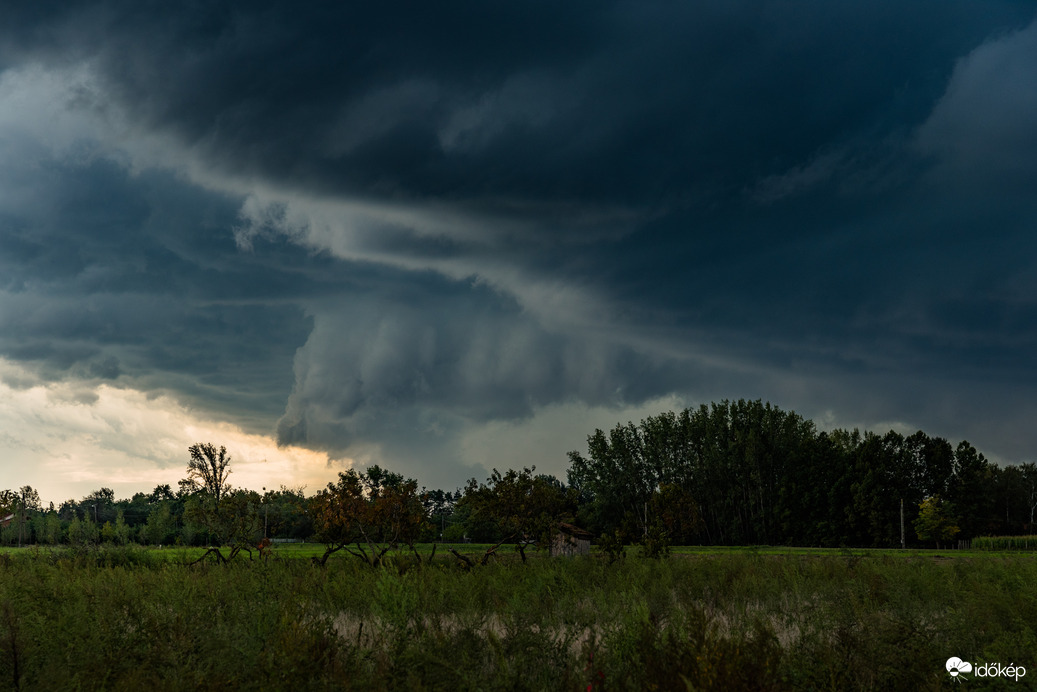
(571, 540)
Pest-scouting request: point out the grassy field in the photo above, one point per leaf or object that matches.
(316, 550)
(733, 619)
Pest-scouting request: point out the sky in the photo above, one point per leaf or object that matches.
(450, 237)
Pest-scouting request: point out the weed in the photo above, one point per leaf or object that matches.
(93, 618)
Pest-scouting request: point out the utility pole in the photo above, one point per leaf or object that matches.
(902, 543)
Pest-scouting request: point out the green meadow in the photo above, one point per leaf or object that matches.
(702, 619)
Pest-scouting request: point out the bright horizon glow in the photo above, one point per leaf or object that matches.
(68, 439)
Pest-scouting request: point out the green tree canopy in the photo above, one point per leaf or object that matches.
(935, 522)
(523, 507)
(367, 514)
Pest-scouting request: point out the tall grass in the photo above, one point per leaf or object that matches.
(1004, 543)
(733, 622)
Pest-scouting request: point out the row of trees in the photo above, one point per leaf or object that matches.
(366, 514)
(750, 473)
(725, 474)
(200, 511)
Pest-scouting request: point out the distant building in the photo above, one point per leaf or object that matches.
(6, 521)
(571, 540)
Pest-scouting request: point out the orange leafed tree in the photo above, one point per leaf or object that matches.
(367, 514)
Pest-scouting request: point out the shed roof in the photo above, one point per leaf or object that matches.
(575, 531)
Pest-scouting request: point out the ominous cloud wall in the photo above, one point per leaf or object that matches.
(381, 227)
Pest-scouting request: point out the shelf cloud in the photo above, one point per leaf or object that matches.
(382, 234)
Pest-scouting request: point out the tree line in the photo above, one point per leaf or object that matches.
(203, 509)
(731, 473)
(745, 472)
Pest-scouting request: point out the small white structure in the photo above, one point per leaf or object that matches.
(571, 540)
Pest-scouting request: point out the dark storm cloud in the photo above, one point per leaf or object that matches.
(450, 346)
(640, 102)
(108, 275)
(410, 372)
(790, 200)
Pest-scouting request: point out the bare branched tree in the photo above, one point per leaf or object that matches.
(209, 468)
